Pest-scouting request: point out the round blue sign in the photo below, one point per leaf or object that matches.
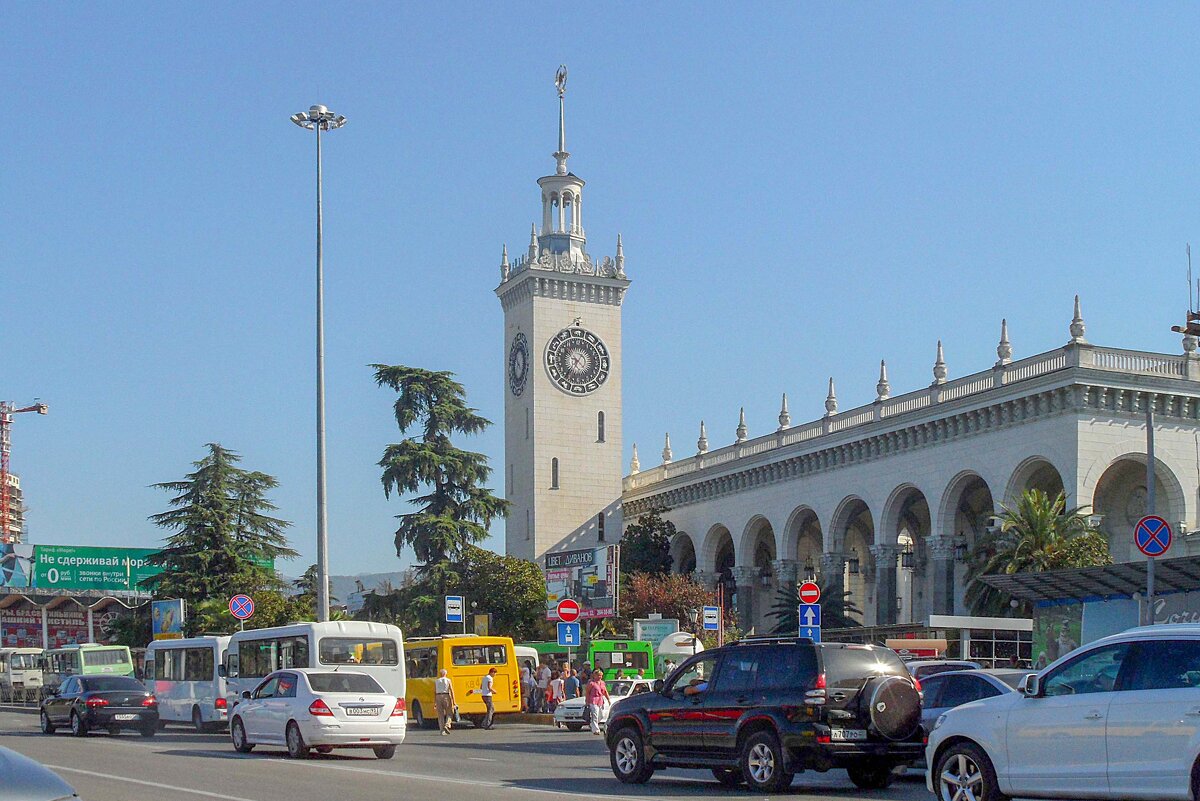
(1152, 535)
(241, 607)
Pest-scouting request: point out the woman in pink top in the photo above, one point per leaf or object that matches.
(594, 696)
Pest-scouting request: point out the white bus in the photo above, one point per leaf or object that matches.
(376, 649)
(20, 673)
(185, 677)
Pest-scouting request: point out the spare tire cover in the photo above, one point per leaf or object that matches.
(895, 707)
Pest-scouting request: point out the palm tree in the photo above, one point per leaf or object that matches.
(1038, 533)
(786, 612)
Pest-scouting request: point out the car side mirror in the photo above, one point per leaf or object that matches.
(222, 672)
(246, 694)
(658, 686)
(1033, 686)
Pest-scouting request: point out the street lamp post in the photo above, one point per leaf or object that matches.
(318, 118)
(694, 617)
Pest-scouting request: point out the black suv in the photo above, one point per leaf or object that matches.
(762, 710)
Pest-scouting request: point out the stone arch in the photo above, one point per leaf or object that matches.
(1167, 466)
(853, 533)
(804, 541)
(967, 507)
(1035, 472)
(683, 553)
(717, 543)
(1120, 499)
(907, 526)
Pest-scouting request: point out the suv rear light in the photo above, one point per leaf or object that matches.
(319, 709)
(823, 739)
(220, 703)
(398, 711)
(150, 701)
(816, 696)
(92, 703)
(917, 684)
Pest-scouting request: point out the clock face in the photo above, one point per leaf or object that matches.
(577, 361)
(518, 364)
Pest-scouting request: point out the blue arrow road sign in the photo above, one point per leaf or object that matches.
(813, 633)
(810, 616)
(712, 618)
(454, 609)
(569, 635)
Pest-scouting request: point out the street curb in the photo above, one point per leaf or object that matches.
(28, 710)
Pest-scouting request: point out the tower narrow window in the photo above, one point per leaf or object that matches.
(600, 522)
(528, 524)
(527, 422)
(599, 426)
(554, 473)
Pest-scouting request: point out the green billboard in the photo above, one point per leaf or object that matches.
(84, 567)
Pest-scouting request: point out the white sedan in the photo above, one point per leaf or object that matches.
(570, 712)
(306, 708)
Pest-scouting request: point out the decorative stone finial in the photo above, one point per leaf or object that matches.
(702, 443)
(741, 429)
(504, 264)
(939, 366)
(533, 243)
(560, 83)
(831, 400)
(1004, 349)
(785, 419)
(620, 258)
(666, 454)
(1077, 326)
(635, 466)
(883, 388)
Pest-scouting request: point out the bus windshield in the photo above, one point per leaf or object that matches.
(93, 657)
(23, 661)
(465, 656)
(622, 660)
(357, 651)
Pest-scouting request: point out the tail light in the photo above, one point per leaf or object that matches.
(823, 739)
(150, 700)
(516, 688)
(319, 709)
(917, 684)
(816, 696)
(399, 709)
(92, 703)
(220, 703)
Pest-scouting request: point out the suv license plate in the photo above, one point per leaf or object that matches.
(124, 717)
(362, 711)
(845, 735)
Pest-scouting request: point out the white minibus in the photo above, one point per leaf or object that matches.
(376, 649)
(186, 678)
(20, 674)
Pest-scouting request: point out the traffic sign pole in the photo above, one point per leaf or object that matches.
(1150, 507)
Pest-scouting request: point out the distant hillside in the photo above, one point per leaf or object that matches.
(345, 588)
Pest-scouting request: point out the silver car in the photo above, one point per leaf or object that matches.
(26, 780)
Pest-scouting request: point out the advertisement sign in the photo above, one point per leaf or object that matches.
(82, 567)
(654, 630)
(587, 576)
(16, 566)
(21, 626)
(166, 619)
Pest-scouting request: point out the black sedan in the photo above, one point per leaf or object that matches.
(112, 703)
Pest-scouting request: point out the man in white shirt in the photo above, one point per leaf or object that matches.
(443, 697)
(543, 682)
(527, 685)
(487, 689)
(557, 692)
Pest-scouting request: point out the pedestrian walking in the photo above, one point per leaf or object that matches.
(443, 699)
(557, 690)
(641, 674)
(543, 685)
(487, 688)
(527, 685)
(596, 695)
(571, 686)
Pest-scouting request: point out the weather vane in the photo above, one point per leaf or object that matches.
(560, 79)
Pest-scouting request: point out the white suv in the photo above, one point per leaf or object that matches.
(1117, 718)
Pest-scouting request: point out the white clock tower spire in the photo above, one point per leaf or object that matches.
(562, 412)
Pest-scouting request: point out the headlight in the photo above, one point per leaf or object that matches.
(941, 719)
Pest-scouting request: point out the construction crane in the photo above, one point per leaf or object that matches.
(7, 410)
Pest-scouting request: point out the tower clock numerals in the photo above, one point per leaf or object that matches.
(518, 364)
(577, 361)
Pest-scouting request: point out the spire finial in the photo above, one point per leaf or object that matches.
(883, 389)
(831, 400)
(939, 366)
(1077, 326)
(1004, 349)
(785, 419)
(504, 263)
(666, 454)
(560, 83)
(741, 429)
(533, 243)
(620, 258)
(635, 466)
(702, 443)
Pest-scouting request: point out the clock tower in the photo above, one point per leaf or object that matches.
(562, 367)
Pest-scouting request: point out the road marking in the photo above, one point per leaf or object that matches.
(160, 786)
(480, 759)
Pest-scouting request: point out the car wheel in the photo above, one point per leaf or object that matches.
(628, 757)
(78, 727)
(762, 763)
(964, 771)
(384, 751)
(237, 733)
(149, 730)
(574, 726)
(728, 777)
(295, 742)
(871, 775)
(418, 715)
(198, 720)
(47, 725)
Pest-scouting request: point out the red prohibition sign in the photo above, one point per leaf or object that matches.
(1152, 535)
(810, 593)
(568, 610)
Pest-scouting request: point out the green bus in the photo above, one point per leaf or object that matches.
(86, 660)
(622, 658)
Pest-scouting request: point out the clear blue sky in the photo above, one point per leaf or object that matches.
(803, 189)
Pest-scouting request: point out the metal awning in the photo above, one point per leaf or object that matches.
(1111, 581)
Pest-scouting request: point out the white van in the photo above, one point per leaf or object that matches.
(186, 678)
(20, 673)
(376, 649)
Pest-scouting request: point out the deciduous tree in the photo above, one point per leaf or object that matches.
(646, 545)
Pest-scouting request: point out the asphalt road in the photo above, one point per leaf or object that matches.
(509, 762)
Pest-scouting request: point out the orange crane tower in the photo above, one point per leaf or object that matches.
(7, 410)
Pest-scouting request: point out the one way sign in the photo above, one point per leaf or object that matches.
(810, 621)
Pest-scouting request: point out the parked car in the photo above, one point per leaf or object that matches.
(924, 668)
(570, 712)
(1117, 718)
(762, 709)
(321, 708)
(26, 780)
(113, 703)
(944, 691)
